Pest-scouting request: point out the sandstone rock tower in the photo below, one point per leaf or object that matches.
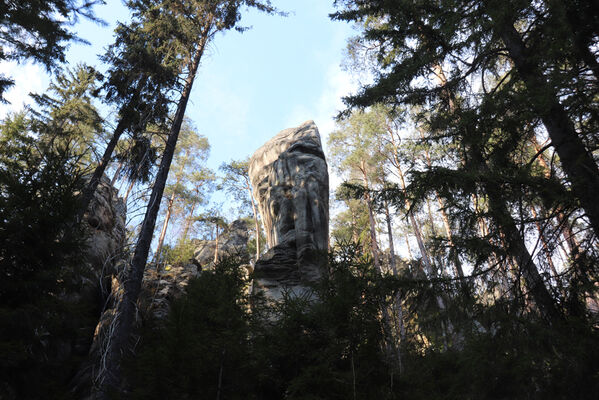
(291, 184)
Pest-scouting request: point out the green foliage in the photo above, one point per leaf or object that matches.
(67, 109)
(39, 257)
(180, 253)
(515, 358)
(333, 346)
(39, 30)
(203, 348)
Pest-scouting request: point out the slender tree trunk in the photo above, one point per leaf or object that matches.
(88, 191)
(392, 262)
(188, 222)
(577, 163)
(115, 177)
(431, 220)
(416, 227)
(397, 307)
(169, 208)
(447, 325)
(256, 226)
(517, 248)
(216, 245)
(407, 237)
(373, 241)
(167, 218)
(122, 323)
(131, 184)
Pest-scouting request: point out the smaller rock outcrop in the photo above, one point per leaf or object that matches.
(232, 242)
(161, 287)
(291, 183)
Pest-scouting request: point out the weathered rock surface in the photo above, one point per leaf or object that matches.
(103, 259)
(291, 183)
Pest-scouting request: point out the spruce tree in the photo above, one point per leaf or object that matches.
(38, 30)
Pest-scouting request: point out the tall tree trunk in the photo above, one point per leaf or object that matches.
(407, 237)
(216, 244)
(115, 177)
(167, 218)
(256, 226)
(577, 163)
(517, 248)
(169, 208)
(392, 261)
(373, 241)
(397, 307)
(129, 189)
(188, 222)
(88, 191)
(122, 323)
(446, 325)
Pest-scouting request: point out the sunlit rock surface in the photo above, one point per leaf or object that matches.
(291, 184)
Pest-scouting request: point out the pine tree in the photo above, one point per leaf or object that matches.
(191, 156)
(237, 182)
(197, 21)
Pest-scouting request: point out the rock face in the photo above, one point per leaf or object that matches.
(291, 183)
(103, 259)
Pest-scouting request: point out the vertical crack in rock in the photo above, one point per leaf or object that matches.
(291, 184)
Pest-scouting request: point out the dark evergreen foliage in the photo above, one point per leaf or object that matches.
(40, 255)
(39, 30)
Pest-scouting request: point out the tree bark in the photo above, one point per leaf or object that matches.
(125, 309)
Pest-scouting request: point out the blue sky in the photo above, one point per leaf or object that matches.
(280, 73)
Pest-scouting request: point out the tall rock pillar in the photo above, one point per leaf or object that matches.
(291, 184)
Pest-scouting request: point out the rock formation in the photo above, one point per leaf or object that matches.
(291, 184)
(160, 288)
(103, 259)
(232, 242)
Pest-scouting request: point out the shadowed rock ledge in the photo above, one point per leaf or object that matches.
(291, 184)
